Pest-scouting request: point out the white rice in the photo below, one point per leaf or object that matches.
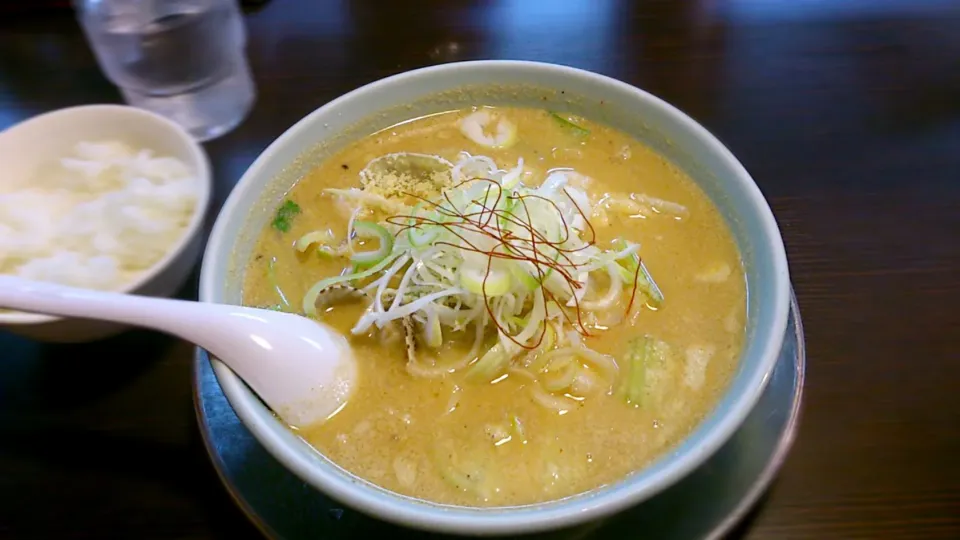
(98, 218)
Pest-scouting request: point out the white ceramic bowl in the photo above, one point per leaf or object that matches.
(449, 86)
(34, 143)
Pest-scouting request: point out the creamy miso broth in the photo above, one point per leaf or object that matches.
(511, 349)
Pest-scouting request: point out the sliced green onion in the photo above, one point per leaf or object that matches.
(650, 286)
(511, 183)
(519, 271)
(313, 237)
(625, 275)
(527, 273)
(633, 381)
(549, 338)
(574, 128)
(432, 333)
(495, 282)
(628, 268)
(310, 299)
(560, 372)
(490, 365)
(547, 344)
(512, 178)
(519, 321)
(324, 239)
(628, 263)
(367, 229)
(507, 210)
(423, 234)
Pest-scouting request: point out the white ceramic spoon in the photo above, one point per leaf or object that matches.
(302, 369)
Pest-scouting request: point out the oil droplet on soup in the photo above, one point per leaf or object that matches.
(512, 348)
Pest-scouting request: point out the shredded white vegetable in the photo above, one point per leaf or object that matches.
(494, 254)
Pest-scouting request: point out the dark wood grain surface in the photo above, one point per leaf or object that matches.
(847, 112)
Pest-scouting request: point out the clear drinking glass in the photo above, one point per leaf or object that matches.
(183, 59)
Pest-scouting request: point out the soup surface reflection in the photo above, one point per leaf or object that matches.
(511, 349)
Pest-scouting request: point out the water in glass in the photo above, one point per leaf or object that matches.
(183, 59)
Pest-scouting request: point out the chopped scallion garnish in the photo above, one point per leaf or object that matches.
(285, 214)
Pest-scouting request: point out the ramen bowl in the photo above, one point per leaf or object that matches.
(453, 86)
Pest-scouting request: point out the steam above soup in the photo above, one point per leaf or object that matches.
(539, 304)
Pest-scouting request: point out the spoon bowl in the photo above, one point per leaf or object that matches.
(302, 369)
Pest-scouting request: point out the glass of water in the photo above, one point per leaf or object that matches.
(183, 59)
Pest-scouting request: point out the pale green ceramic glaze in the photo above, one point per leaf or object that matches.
(451, 86)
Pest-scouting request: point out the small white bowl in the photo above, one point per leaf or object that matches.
(456, 85)
(34, 143)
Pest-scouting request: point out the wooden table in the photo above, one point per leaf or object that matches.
(847, 112)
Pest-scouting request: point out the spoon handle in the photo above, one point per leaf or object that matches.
(172, 316)
(303, 370)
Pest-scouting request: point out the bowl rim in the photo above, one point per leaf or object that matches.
(549, 515)
(197, 219)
